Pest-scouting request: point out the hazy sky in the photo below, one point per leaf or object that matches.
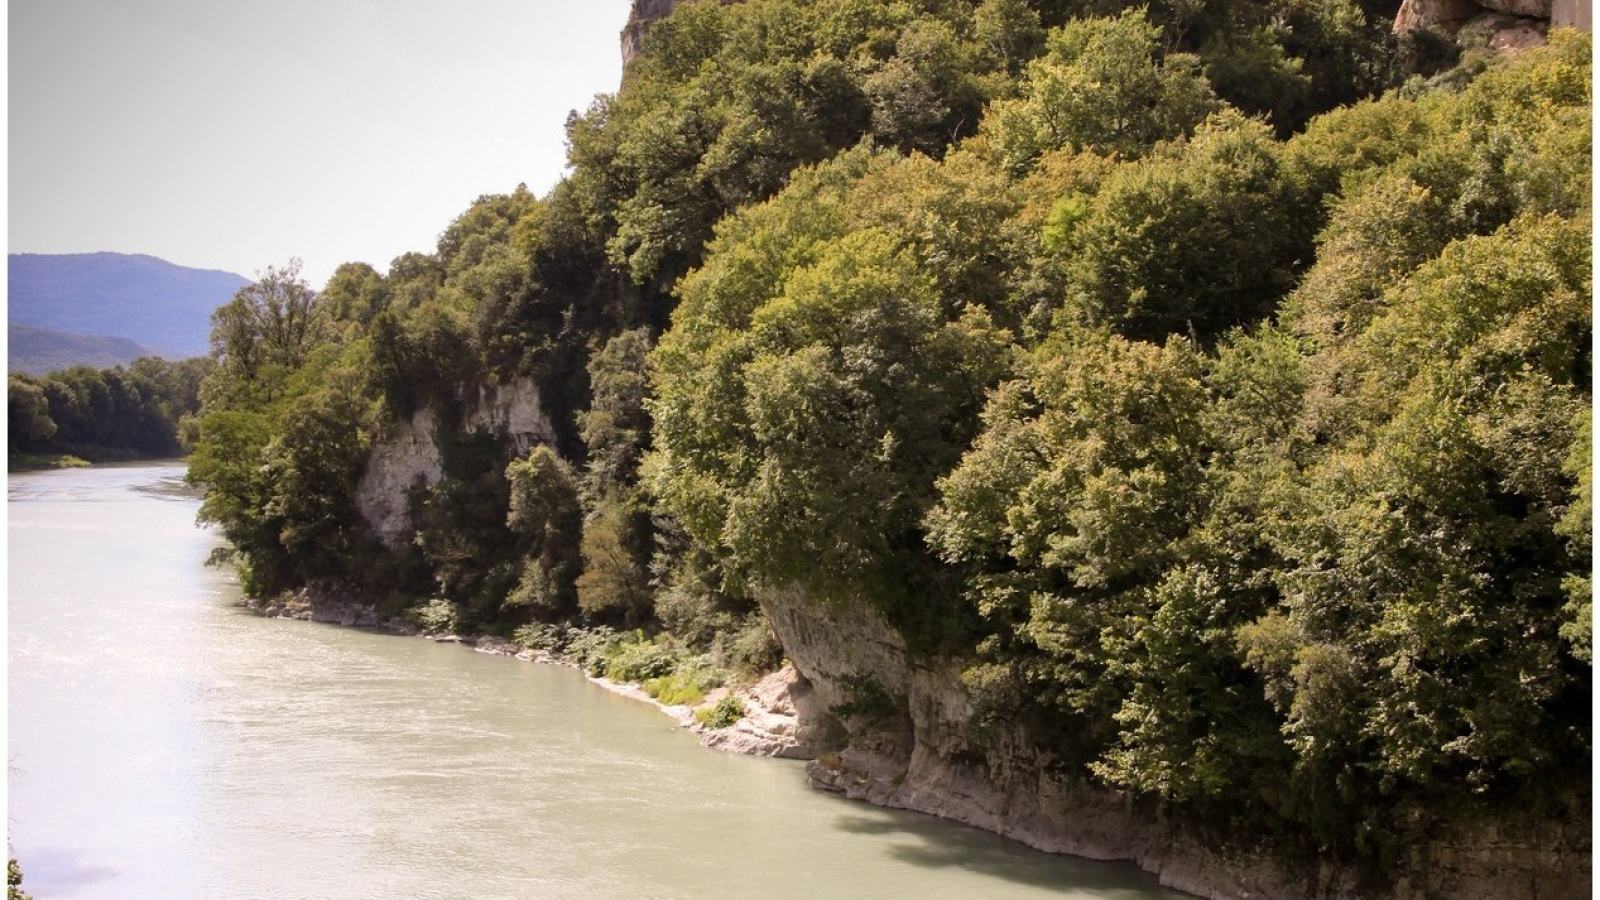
(235, 134)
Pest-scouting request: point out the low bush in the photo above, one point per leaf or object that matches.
(640, 659)
(687, 685)
(542, 636)
(590, 648)
(437, 616)
(727, 711)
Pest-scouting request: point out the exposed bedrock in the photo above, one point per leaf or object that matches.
(915, 748)
(408, 454)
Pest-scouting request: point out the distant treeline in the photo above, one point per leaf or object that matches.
(105, 414)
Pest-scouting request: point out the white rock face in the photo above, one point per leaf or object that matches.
(923, 755)
(1529, 18)
(1448, 16)
(1528, 9)
(409, 455)
(773, 723)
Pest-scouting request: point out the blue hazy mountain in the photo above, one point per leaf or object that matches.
(160, 306)
(37, 351)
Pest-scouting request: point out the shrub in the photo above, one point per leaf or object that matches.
(727, 711)
(639, 660)
(688, 685)
(590, 648)
(541, 636)
(437, 616)
(750, 649)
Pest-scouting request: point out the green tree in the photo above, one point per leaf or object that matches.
(1009, 33)
(14, 882)
(1102, 85)
(262, 335)
(856, 390)
(1069, 510)
(28, 421)
(313, 465)
(1418, 645)
(1196, 238)
(616, 426)
(546, 520)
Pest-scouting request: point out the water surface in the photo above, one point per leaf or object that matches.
(167, 744)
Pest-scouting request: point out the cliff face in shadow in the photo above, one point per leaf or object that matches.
(906, 738)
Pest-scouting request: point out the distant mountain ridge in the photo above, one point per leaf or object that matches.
(151, 302)
(39, 351)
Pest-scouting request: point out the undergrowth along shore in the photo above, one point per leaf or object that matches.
(657, 668)
(38, 462)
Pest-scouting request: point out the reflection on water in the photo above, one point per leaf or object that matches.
(172, 745)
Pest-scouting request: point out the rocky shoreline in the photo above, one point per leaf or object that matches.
(771, 725)
(914, 761)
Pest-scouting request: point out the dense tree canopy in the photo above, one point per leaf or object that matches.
(141, 411)
(1206, 382)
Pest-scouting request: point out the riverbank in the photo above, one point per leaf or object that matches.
(41, 462)
(151, 718)
(770, 725)
(786, 715)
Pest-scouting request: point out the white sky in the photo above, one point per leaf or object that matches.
(235, 134)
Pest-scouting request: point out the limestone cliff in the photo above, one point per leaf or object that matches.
(917, 749)
(640, 16)
(409, 453)
(1505, 25)
(1501, 25)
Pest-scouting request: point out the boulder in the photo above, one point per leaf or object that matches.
(1527, 9)
(1448, 16)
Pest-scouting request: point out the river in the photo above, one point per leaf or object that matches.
(165, 743)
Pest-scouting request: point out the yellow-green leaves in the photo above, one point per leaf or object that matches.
(1101, 86)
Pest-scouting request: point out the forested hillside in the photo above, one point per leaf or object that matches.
(1207, 385)
(151, 302)
(37, 351)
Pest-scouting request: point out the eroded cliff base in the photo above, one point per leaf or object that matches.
(923, 756)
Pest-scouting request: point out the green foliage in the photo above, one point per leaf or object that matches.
(641, 659)
(687, 684)
(856, 388)
(436, 616)
(1577, 525)
(1330, 574)
(1247, 476)
(14, 882)
(728, 100)
(614, 586)
(313, 466)
(616, 426)
(724, 714)
(1199, 237)
(1075, 502)
(1008, 33)
(260, 337)
(109, 414)
(1421, 552)
(545, 520)
(1103, 86)
(589, 647)
(28, 422)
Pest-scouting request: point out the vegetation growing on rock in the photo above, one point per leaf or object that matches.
(1210, 388)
